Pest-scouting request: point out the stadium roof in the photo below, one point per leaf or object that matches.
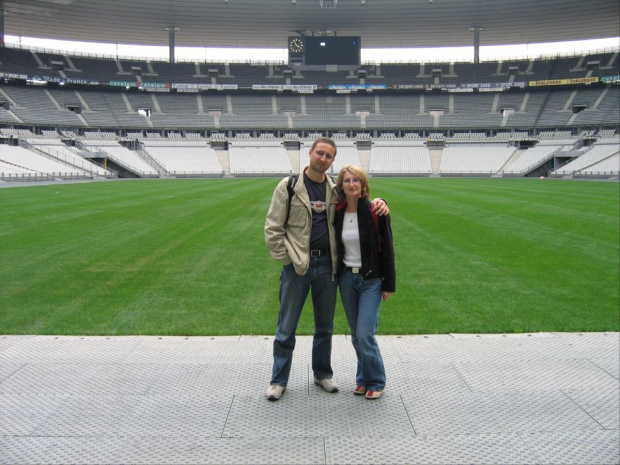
(267, 23)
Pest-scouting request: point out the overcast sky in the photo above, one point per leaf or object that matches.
(415, 55)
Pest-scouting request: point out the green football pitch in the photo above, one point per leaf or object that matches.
(187, 257)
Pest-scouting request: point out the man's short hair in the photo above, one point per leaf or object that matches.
(325, 140)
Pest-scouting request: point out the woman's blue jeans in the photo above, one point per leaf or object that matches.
(294, 290)
(362, 300)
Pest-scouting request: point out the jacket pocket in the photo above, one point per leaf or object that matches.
(298, 216)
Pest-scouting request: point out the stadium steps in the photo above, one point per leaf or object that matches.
(52, 99)
(15, 117)
(39, 61)
(542, 107)
(222, 157)
(8, 98)
(149, 159)
(127, 103)
(155, 103)
(523, 107)
(82, 119)
(293, 156)
(62, 161)
(514, 157)
(435, 160)
(504, 120)
(364, 159)
(21, 167)
(569, 101)
(69, 61)
(198, 73)
(85, 105)
(600, 98)
(495, 103)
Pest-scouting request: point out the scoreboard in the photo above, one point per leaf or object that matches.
(332, 50)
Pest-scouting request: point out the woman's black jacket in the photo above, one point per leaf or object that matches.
(377, 249)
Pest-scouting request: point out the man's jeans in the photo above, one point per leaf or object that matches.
(293, 293)
(361, 301)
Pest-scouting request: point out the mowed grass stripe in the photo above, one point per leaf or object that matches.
(187, 257)
(149, 255)
(505, 258)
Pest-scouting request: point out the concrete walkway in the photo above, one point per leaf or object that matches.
(544, 398)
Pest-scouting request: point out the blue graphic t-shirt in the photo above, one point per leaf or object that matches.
(319, 237)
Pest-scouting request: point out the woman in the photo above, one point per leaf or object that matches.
(366, 274)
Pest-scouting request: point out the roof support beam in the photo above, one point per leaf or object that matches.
(476, 30)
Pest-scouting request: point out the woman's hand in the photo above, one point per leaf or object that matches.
(386, 295)
(380, 207)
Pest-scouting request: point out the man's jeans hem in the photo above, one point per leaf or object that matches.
(294, 290)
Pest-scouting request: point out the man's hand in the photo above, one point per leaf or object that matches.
(386, 295)
(380, 207)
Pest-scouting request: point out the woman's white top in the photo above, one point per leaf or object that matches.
(351, 241)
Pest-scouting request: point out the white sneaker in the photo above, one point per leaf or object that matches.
(327, 384)
(274, 391)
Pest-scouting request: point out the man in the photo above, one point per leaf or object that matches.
(301, 236)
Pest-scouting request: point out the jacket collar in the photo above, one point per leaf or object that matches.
(343, 204)
(331, 184)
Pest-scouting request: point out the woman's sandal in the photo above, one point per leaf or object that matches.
(359, 390)
(374, 394)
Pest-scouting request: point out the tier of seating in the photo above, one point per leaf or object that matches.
(400, 160)
(131, 111)
(122, 156)
(591, 157)
(19, 161)
(606, 167)
(43, 158)
(245, 75)
(54, 148)
(184, 158)
(259, 161)
(531, 158)
(477, 159)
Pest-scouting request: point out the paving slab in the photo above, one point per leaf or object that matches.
(543, 398)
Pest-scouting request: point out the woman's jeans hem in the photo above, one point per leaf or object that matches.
(361, 300)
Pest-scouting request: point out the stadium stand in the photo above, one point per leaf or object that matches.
(124, 157)
(530, 159)
(590, 157)
(474, 160)
(106, 70)
(258, 157)
(70, 156)
(130, 111)
(184, 158)
(605, 168)
(398, 160)
(233, 131)
(23, 161)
